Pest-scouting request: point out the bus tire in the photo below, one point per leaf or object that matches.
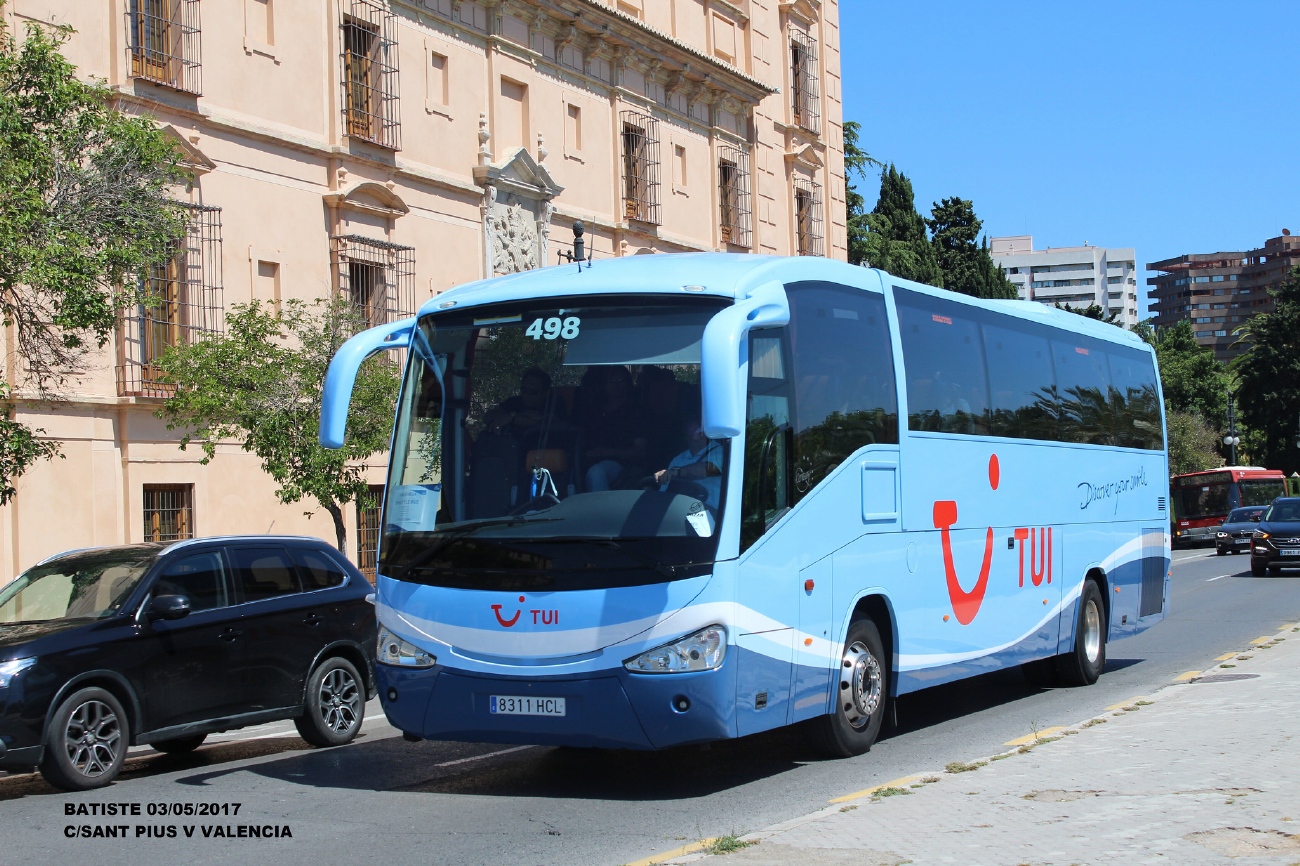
(861, 695)
(1084, 664)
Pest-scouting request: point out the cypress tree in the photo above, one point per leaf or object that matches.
(967, 266)
(896, 239)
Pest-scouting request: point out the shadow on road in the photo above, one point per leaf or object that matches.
(392, 764)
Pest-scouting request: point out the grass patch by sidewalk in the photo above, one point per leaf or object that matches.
(889, 792)
(727, 845)
(964, 767)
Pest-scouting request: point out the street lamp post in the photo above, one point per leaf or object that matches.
(1232, 440)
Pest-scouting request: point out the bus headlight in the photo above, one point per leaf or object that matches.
(702, 651)
(395, 651)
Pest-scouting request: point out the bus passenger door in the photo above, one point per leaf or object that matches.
(766, 578)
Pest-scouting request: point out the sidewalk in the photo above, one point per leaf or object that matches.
(1203, 771)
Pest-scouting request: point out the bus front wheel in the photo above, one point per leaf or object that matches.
(861, 689)
(1084, 664)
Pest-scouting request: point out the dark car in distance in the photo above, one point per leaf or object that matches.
(1237, 528)
(1275, 544)
(163, 644)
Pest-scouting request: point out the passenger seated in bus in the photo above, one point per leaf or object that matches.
(700, 463)
(614, 433)
(525, 412)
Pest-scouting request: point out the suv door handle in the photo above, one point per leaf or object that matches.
(231, 634)
(314, 618)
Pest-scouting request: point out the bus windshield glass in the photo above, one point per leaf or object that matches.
(1261, 491)
(1206, 500)
(555, 444)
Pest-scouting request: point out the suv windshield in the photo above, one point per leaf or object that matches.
(77, 586)
(555, 443)
(1284, 511)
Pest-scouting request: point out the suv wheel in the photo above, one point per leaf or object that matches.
(86, 742)
(335, 704)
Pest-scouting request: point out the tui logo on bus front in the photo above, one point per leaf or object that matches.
(540, 617)
(966, 604)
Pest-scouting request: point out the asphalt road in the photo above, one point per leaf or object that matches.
(385, 800)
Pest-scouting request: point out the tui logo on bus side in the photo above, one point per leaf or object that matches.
(966, 604)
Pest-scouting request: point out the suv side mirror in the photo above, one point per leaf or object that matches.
(169, 607)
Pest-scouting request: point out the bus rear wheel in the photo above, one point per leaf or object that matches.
(1084, 664)
(861, 689)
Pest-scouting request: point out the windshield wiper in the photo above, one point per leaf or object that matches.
(661, 568)
(464, 532)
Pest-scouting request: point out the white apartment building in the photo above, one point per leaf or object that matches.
(1078, 276)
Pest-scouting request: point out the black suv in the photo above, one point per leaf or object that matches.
(166, 643)
(1276, 540)
(1237, 529)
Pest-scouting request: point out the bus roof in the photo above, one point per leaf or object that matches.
(731, 275)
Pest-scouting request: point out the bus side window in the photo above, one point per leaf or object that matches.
(766, 488)
(1083, 385)
(943, 353)
(844, 377)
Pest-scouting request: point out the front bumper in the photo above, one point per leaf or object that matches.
(608, 709)
(1274, 557)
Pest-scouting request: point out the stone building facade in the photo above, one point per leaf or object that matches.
(387, 150)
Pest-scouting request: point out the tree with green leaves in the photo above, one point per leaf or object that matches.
(261, 384)
(84, 206)
(1269, 373)
(1192, 443)
(896, 240)
(856, 162)
(1193, 380)
(965, 262)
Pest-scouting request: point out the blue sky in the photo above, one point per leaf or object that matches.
(1169, 127)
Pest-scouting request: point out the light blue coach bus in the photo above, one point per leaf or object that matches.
(677, 498)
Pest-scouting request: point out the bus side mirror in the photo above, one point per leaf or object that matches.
(336, 396)
(724, 354)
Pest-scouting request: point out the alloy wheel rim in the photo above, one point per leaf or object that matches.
(340, 701)
(93, 738)
(861, 685)
(1091, 632)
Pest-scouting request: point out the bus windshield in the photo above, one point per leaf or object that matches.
(1261, 491)
(555, 444)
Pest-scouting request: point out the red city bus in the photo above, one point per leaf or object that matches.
(1201, 500)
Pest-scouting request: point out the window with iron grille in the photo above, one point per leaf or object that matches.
(368, 532)
(733, 195)
(162, 43)
(807, 217)
(369, 65)
(377, 278)
(640, 166)
(804, 101)
(181, 301)
(168, 512)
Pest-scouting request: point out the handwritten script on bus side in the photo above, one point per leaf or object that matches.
(1111, 490)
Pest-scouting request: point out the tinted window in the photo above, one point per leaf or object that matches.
(1021, 381)
(201, 578)
(318, 570)
(844, 377)
(947, 387)
(1083, 385)
(263, 572)
(765, 493)
(1134, 399)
